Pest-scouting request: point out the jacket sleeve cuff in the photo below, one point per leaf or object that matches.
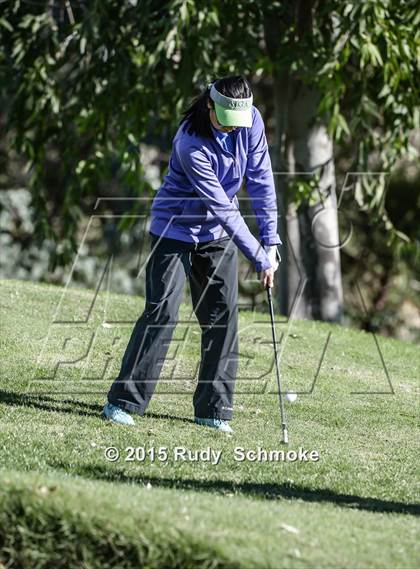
(262, 265)
(271, 240)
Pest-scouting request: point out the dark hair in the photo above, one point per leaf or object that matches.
(197, 117)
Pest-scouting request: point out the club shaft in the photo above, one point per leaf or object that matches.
(281, 403)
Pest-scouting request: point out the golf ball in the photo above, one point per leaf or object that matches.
(291, 397)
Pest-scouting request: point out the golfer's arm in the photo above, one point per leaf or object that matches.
(199, 171)
(259, 182)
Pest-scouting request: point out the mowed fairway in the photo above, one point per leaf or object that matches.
(63, 504)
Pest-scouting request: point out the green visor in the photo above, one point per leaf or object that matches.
(232, 112)
(228, 117)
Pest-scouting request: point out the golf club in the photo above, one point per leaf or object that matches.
(273, 330)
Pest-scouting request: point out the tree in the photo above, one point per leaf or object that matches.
(338, 72)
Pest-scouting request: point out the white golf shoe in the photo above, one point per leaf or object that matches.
(217, 424)
(117, 415)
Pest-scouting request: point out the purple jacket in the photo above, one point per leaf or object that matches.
(197, 199)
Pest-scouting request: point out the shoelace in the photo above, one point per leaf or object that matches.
(121, 413)
(118, 411)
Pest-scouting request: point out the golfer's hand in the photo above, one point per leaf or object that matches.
(267, 277)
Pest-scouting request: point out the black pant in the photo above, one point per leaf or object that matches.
(212, 269)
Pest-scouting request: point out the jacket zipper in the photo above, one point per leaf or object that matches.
(235, 161)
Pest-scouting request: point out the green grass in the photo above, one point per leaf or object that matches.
(62, 504)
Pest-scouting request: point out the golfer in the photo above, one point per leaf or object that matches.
(195, 229)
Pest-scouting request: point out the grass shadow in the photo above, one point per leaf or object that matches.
(73, 406)
(262, 490)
